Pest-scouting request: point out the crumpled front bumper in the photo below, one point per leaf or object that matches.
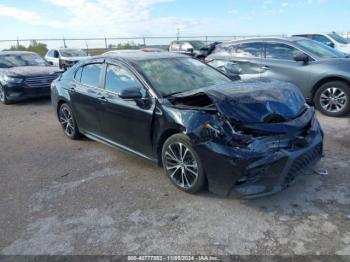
(249, 174)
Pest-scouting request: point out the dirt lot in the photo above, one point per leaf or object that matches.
(63, 197)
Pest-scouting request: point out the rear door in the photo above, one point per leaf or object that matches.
(279, 64)
(86, 92)
(123, 121)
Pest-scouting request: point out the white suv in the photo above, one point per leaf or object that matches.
(332, 39)
(65, 57)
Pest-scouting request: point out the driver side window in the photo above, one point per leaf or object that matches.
(280, 51)
(322, 39)
(56, 54)
(119, 78)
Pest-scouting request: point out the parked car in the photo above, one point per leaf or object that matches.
(65, 57)
(333, 40)
(244, 138)
(24, 75)
(197, 49)
(322, 73)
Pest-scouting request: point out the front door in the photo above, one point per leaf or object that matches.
(126, 122)
(280, 65)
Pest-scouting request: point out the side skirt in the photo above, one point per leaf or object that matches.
(117, 146)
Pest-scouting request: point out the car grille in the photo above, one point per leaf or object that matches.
(301, 163)
(40, 81)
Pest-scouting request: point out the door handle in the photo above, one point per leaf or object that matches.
(266, 67)
(72, 88)
(102, 99)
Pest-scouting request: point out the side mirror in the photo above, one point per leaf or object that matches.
(331, 44)
(131, 93)
(302, 57)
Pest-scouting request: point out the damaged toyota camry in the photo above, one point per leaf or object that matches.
(247, 139)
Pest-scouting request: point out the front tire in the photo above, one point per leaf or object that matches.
(333, 99)
(182, 164)
(3, 97)
(68, 122)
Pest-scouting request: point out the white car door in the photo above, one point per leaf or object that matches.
(52, 57)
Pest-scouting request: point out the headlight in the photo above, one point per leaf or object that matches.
(10, 79)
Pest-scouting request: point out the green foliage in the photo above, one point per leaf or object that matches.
(128, 45)
(34, 46)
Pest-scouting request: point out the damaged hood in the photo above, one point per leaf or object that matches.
(256, 101)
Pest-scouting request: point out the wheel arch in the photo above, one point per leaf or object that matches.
(60, 102)
(326, 80)
(163, 137)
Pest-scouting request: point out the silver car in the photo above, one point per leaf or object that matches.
(322, 73)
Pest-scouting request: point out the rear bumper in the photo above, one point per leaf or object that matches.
(243, 173)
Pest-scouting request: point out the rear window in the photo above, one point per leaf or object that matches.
(90, 75)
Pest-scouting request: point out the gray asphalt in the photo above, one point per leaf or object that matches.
(59, 196)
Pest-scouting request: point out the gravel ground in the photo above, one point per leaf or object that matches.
(80, 197)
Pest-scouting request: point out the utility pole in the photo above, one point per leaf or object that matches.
(64, 42)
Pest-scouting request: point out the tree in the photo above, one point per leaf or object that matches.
(34, 46)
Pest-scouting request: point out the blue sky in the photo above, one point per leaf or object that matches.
(95, 18)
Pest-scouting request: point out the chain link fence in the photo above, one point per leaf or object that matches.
(98, 45)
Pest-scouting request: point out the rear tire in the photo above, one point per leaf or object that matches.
(68, 122)
(182, 164)
(333, 99)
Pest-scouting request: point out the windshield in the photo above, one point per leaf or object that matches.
(177, 75)
(12, 60)
(320, 50)
(339, 38)
(72, 53)
(198, 45)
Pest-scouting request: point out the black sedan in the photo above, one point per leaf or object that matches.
(24, 75)
(245, 138)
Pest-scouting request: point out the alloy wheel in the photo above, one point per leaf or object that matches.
(333, 99)
(181, 165)
(66, 120)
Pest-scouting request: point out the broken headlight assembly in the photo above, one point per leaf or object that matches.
(228, 134)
